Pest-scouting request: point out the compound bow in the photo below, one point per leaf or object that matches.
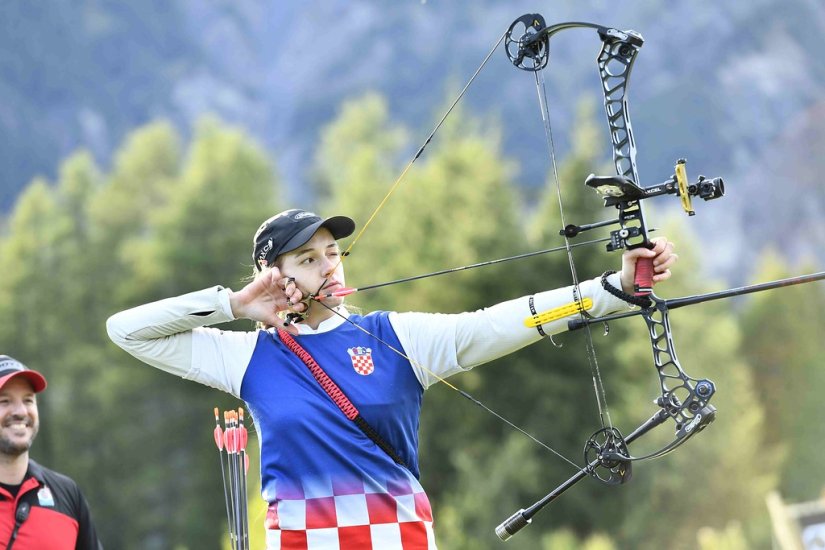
(683, 399)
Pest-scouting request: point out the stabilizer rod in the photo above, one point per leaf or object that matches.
(523, 517)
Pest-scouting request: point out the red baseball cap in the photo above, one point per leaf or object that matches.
(11, 367)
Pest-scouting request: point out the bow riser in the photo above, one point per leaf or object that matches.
(683, 398)
(615, 62)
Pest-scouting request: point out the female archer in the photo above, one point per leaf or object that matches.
(336, 396)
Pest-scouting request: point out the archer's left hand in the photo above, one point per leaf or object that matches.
(663, 259)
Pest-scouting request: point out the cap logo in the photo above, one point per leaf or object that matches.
(302, 215)
(264, 251)
(11, 364)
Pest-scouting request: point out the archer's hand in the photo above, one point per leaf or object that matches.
(663, 259)
(263, 298)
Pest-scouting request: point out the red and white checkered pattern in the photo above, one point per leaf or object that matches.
(361, 360)
(353, 518)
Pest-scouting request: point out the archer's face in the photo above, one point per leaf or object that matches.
(314, 264)
(19, 419)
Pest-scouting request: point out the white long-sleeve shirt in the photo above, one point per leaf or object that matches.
(170, 335)
(328, 485)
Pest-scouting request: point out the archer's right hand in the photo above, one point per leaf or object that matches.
(262, 299)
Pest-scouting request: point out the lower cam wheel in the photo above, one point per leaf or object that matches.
(608, 448)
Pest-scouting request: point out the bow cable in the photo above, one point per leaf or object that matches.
(598, 385)
(403, 174)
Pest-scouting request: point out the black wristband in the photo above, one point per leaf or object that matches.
(532, 304)
(641, 301)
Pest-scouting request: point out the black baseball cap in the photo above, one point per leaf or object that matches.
(290, 229)
(11, 367)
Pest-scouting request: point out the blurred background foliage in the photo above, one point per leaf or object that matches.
(175, 215)
(167, 131)
(736, 88)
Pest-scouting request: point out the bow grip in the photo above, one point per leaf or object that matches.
(643, 281)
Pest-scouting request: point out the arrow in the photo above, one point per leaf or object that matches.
(219, 442)
(347, 291)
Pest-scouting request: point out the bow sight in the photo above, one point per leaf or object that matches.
(622, 192)
(527, 44)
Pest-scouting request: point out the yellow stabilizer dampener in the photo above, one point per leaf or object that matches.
(558, 313)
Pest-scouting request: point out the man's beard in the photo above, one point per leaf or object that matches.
(16, 448)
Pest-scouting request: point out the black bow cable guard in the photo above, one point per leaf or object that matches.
(683, 399)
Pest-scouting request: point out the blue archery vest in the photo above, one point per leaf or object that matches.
(305, 439)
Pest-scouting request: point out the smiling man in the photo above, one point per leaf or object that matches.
(39, 508)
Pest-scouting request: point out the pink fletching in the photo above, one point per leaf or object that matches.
(244, 436)
(218, 437)
(338, 293)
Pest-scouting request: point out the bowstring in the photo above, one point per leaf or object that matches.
(409, 165)
(598, 385)
(568, 248)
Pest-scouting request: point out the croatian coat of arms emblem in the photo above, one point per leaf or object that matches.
(361, 360)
